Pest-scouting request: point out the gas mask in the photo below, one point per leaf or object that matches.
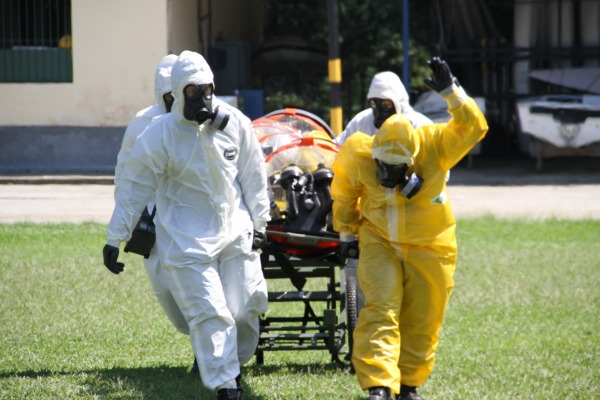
(382, 110)
(168, 99)
(390, 176)
(197, 106)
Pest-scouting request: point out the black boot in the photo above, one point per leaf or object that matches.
(195, 370)
(227, 394)
(238, 394)
(408, 393)
(380, 393)
(240, 391)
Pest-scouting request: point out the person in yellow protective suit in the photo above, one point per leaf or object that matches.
(386, 96)
(404, 230)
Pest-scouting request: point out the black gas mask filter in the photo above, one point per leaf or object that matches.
(197, 106)
(382, 110)
(390, 176)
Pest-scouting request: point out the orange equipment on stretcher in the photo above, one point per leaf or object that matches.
(301, 120)
(301, 244)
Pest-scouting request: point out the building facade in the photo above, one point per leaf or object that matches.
(73, 73)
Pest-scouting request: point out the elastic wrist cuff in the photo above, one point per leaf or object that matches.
(348, 236)
(455, 95)
(114, 243)
(260, 226)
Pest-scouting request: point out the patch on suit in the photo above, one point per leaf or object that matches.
(230, 153)
(439, 199)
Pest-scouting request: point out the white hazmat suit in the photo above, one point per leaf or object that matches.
(162, 86)
(211, 193)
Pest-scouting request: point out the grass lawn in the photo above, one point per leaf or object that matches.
(523, 322)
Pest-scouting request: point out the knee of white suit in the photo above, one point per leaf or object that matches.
(173, 312)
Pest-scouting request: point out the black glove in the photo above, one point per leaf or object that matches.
(259, 239)
(349, 249)
(441, 76)
(111, 253)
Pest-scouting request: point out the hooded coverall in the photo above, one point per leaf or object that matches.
(407, 246)
(162, 85)
(384, 85)
(211, 193)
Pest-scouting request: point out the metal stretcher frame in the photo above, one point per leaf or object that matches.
(299, 258)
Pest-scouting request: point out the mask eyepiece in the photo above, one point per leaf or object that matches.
(195, 92)
(382, 110)
(168, 99)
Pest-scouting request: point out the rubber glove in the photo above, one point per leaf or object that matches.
(259, 239)
(110, 254)
(441, 76)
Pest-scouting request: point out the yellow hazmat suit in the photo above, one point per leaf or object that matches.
(407, 246)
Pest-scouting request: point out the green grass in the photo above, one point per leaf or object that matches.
(523, 322)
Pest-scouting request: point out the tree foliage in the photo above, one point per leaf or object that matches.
(370, 40)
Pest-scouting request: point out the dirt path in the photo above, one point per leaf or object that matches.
(531, 201)
(79, 203)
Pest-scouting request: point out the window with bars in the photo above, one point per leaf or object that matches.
(35, 41)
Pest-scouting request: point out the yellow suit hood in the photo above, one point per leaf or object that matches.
(396, 142)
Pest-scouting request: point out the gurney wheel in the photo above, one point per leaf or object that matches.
(351, 311)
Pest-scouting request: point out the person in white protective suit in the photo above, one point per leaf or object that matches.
(164, 102)
(386, 96)
(205, 165)
(391, 210)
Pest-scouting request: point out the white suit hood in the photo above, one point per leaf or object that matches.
(190, 68)
(384, 85)
(387, 85)
(162, 80)
(162, 85)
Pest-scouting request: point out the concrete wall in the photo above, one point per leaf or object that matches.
(116, 46)
(78, 126)
(182, 17)
(59, 149)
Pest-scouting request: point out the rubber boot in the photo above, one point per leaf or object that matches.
(240, 391)
(408, 393)
(380, 393)
(227, 394)
(195, 370)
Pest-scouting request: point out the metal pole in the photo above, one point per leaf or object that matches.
(334, 68)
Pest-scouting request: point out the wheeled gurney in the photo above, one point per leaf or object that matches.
(313, 306)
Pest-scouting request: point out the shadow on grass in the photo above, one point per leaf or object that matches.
(164, 383)
(298, 368)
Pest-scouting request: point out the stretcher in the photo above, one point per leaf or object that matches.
(301, 258)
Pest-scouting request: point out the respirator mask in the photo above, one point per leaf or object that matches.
(382, 110)
(391, 175)
(197, 106)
